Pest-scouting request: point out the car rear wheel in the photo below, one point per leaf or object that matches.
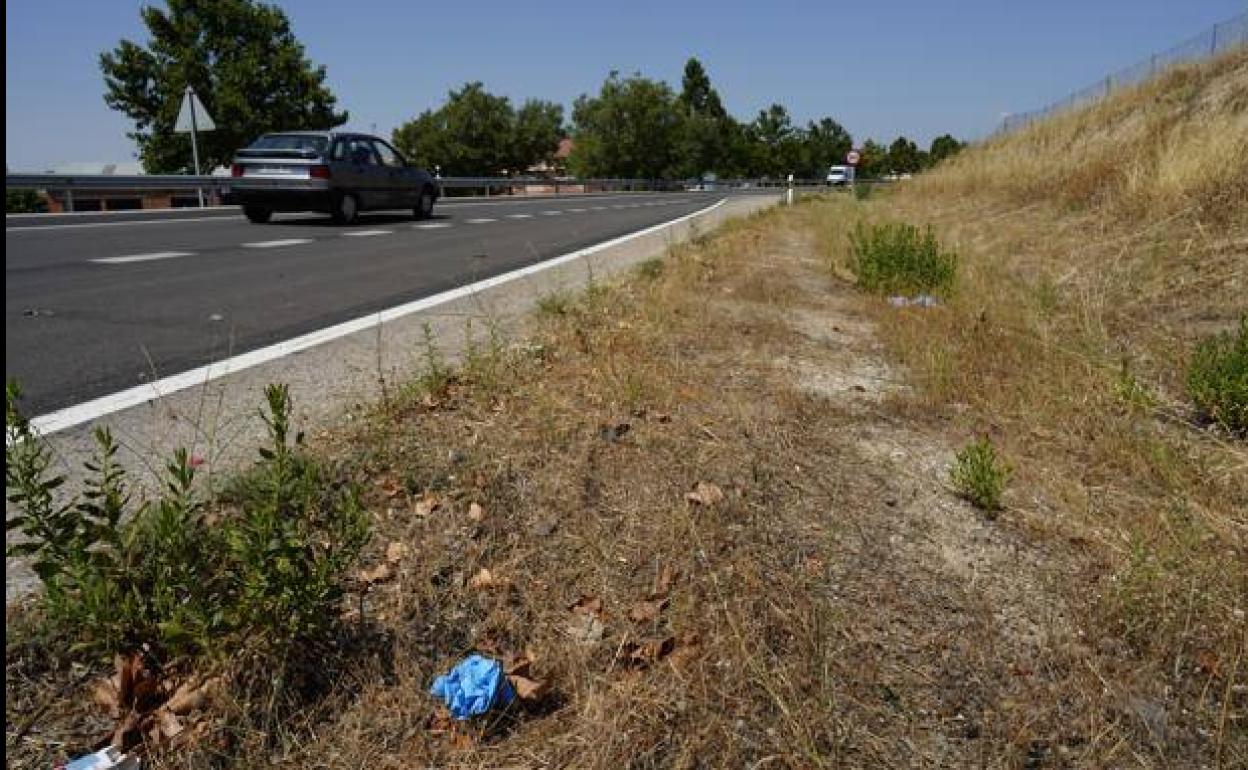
(346, 209)
(257, 214)
(424, 206)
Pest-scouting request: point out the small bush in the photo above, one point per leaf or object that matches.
(980, 476)
(651, 269)
(556, 304)
(1218, 379)
(862, 191)
(898, 258)
(172, 575)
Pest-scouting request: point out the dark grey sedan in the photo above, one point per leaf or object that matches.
(340, 174)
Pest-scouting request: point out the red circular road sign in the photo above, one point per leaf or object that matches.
(852, 157)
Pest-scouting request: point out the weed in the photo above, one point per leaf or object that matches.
(980, 476)
(436, 374)
(862, 191)
(159, 574)
(555, 304)
(651, 269)
(1217, 380)
(896, 258)
(1132, 392)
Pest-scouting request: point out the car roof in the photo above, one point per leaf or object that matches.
(329, 134)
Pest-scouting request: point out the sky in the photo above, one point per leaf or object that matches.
(917, 68)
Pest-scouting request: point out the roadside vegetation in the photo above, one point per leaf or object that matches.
(739, 509)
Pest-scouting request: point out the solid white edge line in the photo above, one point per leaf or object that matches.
(140, 257)
(68, 417)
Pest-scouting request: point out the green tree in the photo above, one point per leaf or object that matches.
(628, 130)
(826, 144)
(904, 156)
(944, 146)
(472, 134)
(243, 61)
(706, 130)
(538, 130)
(873, 160)
(782, 150)
(22, 202)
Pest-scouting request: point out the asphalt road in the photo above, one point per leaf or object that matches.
(94, 305)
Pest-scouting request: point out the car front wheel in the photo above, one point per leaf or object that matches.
(257, 214)
(424, 206)
(346, 209)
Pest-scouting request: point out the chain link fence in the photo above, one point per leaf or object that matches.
(1219, 38)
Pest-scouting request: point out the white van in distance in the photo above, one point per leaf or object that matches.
(840, 175)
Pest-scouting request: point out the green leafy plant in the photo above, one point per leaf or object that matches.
(650, 269)
(1217, 380)
(555, 304)
(862, 191)
(898, 258)
(980, 476)
(171, 574)
(437, 373)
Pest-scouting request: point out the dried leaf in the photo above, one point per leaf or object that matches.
(647, 652)
(381, 573)
(486, 580)
(397, 552)
(169, 724)
(104, 692)
(646, 612)
(476, 512)
(705, 493)
(426, 505)
(527, 689)
(191, 695)
(389, 486)
(587, 605)
(663, 585)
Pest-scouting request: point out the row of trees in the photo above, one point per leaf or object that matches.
(251, 72)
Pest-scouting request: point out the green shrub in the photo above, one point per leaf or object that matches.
(898, 258)
(980, 476)
(862, 191)
(1218, 379)
(556, 304)
(651, 269)
(170, 573)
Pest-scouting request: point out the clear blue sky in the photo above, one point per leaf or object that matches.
(912, 67)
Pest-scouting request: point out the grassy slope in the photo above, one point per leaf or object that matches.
(1097, 247)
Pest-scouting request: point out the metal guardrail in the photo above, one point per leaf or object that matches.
(67, 185)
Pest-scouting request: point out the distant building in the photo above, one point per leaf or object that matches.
(144, 197)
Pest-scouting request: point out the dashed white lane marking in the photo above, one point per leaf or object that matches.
(141, 257)
(480, 221)
(600, 208)
(576, 211)
(366, 233)
(551, 213)
(519, 216)
(276, 244)
(432, 226)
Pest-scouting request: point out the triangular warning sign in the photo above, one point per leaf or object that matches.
(203, 121)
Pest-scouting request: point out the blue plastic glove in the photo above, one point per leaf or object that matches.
(474, 686)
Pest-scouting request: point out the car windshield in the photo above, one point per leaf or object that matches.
(300, 142)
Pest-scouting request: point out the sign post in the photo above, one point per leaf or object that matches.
(192, 118)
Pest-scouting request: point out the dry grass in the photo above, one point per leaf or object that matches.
(1097, 248)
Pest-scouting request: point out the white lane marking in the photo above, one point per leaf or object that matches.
(235, 219)
(276, 244)
(141, 257)
(519, 216)
(141, 394)
(366, 233)
(600, 208)
(576, 211)
(480, 221)
(551, 213)
(432, 226)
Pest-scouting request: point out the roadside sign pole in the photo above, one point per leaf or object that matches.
(195, 144)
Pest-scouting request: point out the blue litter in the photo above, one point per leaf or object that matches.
(473, 687)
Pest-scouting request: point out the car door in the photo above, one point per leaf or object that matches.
(365, 177)
(401, 191)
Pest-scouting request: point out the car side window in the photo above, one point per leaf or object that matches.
(388, 155)
(340, 151)
(362, 152)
